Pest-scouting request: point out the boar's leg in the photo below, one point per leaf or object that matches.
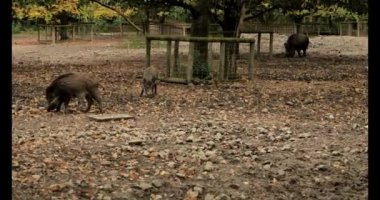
(89, 102)
(142, 92)
(94, 95)
(55, 104)
(52, 104)
(299, 52)
(304, 52)
(154, 88)
(143, 88)
(66, 101)
(58, 106)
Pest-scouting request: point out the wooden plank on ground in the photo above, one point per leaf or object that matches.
(109, 117)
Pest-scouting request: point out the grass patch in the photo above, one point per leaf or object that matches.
(139, 42)
(24, 33)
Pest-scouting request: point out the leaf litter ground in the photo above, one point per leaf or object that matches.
(297, 131)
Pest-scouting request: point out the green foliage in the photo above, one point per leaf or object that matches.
(179, 14)
(17, 28)
(269, 17)
(47, 10)
(134, 41)
(335, 12)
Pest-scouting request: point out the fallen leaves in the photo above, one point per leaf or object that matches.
(196, 142)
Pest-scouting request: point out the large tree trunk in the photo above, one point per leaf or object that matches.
(64, 20)
(199, 28)
(230, 25)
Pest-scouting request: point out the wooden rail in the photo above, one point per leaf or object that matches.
(209, 40)
(259, 33)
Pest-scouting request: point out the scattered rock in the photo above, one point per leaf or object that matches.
(262, 130)
(190, 138)
(335, 153)
(209, 197)
(208, 166)
(222, 197)
(143, 186)
(321, 168)
(234, 186)
(36, 177)
(304, 135)
(136, 142)
(157, 183)
(180, 175)
(286, 147)
(266, 167)
(191, 195)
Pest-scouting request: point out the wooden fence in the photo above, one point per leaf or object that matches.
(189, 67)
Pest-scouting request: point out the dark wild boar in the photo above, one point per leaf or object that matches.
(296, 42)
(72, 85)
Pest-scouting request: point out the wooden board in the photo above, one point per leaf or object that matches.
(109, 117)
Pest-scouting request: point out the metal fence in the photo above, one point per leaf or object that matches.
(90, 31)
(359, 28)
(55, 33)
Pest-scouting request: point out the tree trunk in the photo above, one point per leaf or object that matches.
(63, 33)
(146, 23)
(229, 26)
(64, 20)
(199, 28)
(298, 21)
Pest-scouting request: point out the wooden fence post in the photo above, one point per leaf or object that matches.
(270, 44)
(183, 30)
(148, 46)
(222, 60)
(121, 29)
(38, 28)
(54, 34)
(190, 63)
(168, 57)
(357, 28)
(92, 32)
(46, 31)
(176, 57)
(209, 56)
(73, 32)
(349, 28)
(251, 60)
(258, 43)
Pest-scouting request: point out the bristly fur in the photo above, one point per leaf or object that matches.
(71, 85)
(149, 82)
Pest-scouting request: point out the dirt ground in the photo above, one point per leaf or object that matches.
(298, 130)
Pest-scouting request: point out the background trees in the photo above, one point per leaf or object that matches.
(228, 14)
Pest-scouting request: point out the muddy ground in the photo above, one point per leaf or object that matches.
(298, 130)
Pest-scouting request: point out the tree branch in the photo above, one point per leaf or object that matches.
(248, 17)
(119, 13)
(181, 4)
